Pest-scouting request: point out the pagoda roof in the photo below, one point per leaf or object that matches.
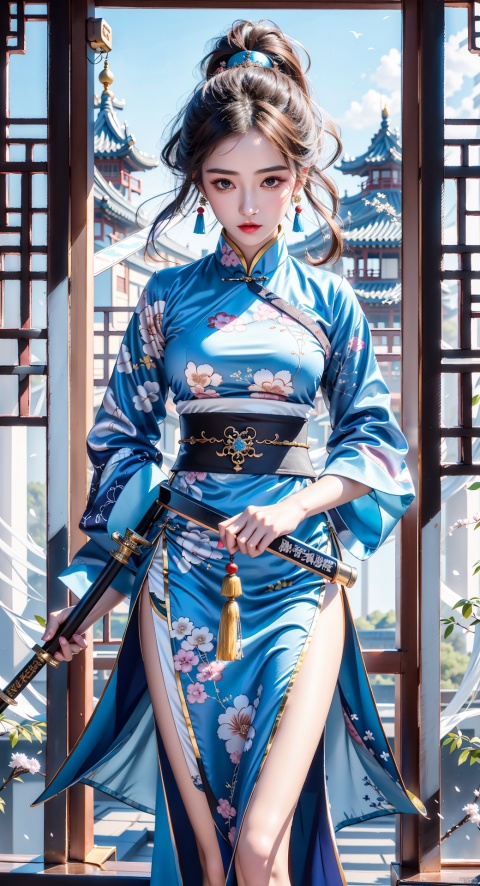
(384, 148)
(113, 141)
(364, 223)
(383, 292)
(113, 204)
(372, 218)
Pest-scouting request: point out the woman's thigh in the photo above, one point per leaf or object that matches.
(266, 823)
(194, 800)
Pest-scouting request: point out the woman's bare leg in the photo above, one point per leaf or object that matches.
(261, 857)
(194, 800)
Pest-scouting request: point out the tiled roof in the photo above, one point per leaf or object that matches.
(385, 292)
(113, 141)
(384, 148)
(372, 217)
(113, 203)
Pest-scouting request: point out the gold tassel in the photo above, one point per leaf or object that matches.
(229, 644)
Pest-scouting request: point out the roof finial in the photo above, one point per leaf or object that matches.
(385, 112)
(106, 77)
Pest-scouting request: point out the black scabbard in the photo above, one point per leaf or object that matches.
(285, 546)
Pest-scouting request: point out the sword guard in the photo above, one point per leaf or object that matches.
(129, 544)
(45, 656)
(7, 699)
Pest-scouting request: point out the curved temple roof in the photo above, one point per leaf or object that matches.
(384, 149)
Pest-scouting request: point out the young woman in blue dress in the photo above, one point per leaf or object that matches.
(250, 139)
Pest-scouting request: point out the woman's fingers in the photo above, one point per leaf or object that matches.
(68, 650)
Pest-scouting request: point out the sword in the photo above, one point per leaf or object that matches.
(131, 542)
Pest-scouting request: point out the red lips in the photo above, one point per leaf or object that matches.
(248, 228)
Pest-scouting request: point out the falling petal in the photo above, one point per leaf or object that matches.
(457, 789)
(467, 837)
(33, 455)
(32, 512)
(440, 816)
(26, 836)
(456, 572)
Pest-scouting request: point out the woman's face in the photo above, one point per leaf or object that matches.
(249, 188)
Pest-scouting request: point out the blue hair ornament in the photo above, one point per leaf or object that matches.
(250, 55)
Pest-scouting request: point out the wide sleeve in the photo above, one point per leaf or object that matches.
(124, 436)
(366, 443)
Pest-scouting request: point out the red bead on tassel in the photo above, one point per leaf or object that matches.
(229, 643)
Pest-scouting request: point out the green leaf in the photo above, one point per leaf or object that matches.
(448, 630)
(467, 610)
(475, 399)
(463, 756)
(453, 747)
(460, 603)
(475, 485)
(37, 733)
(474, 760)
(13, 738)
(17, 778)
(41, 620)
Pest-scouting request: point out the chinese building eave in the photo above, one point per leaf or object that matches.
(113, 204)
(112, 140)
(384, 150)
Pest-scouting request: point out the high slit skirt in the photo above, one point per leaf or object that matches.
(227, 713)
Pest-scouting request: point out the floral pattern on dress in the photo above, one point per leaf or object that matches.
(229, 257)
(119, 423)
(187, 482)
(271, 386)
(124, 360)
(197, 547)
(151, 320)
(200, 377)
(235, 729)
(146, 395)
(226, 322)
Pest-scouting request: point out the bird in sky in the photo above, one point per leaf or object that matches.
(356, 34)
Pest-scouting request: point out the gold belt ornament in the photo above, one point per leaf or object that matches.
(239, 445)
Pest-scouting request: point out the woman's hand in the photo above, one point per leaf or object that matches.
(255, 528)
(68, 648)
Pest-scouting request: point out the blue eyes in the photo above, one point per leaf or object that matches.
(271, 183)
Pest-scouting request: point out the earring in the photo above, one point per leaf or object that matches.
(200, 221)
(298, 223)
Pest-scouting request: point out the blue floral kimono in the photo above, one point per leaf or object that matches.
(218, 346)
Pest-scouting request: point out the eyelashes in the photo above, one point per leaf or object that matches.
(218, 181)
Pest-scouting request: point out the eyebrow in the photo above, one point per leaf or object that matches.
(232, 171)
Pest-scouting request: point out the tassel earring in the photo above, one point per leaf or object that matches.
(229, 644)
(298, 222)
(200, 221)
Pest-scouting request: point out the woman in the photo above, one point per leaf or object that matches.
(236, 769)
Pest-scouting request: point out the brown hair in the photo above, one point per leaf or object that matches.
(276, 100)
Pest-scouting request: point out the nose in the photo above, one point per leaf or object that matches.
(247, 205)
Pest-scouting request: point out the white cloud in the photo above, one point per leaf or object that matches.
(388, 73)
(366, 113)
(459, 62)
(465, 109)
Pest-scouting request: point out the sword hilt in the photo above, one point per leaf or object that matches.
(129, 544)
